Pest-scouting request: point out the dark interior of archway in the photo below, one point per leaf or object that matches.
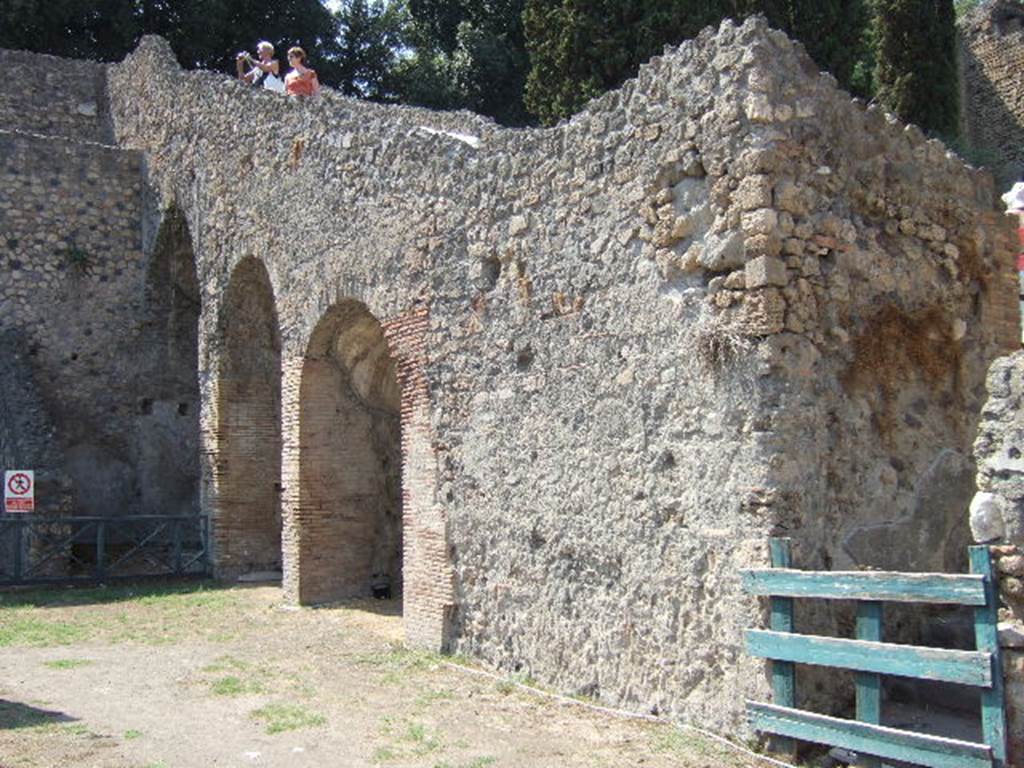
(350, 497)
(167, 383)
(247, 521)
(147, 461)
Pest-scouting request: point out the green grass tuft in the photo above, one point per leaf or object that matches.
(131, 733)
(37, 632)
(235, 686)
(67, 663)
(287, 717)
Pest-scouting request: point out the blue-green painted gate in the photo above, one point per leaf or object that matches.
(870, 658)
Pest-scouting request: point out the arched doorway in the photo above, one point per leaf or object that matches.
(247, 511)
(166, 386)
(346, 517)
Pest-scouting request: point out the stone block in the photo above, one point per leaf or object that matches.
(753, 192)
(986, 517)
(765, 270)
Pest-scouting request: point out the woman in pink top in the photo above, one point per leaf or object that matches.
(301, 81)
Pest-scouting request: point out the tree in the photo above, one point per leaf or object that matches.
(580, 49)
(834, 32)
(203, 33)
(370, 34)
(915, 62)
(466, 54)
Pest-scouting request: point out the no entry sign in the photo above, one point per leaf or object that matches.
(19, 490)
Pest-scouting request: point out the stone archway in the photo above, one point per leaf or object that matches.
(165, 448)
(344, 522)
(246, 522)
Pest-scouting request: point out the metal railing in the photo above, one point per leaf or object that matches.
(43, 549)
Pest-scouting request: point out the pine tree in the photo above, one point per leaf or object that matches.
(915, 62)
(579, 48)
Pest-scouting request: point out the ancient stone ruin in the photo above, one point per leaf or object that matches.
(555, 387)
(992, 90)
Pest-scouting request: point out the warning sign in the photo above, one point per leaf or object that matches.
(19, 490)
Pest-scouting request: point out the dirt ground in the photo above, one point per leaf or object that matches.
(194, 676)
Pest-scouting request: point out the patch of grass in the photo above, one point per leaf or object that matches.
(397, 662)
(409, 739)
(29, 630)
(512, 684)
(245, 678)
(236, 686)
(131, 734)
(680, 742)
(228, 664)
(421, 738)
(69, 596)
(427, 698)
(287, 717)
(78, 259)
(67, 663)
(479, 762)
(384, 755)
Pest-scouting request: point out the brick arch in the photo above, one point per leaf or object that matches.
(246, 519)
(356, 422)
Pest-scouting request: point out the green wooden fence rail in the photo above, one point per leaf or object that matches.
(870, 658)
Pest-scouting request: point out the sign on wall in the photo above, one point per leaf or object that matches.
(19, 490)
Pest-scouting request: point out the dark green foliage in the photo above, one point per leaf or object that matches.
(580, 49)
(834, 32)
(203, 33)
(370, 33)
(466, 54)
(915, 62)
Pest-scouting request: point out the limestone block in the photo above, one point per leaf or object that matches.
(1011, 634)
(789, 198)
(753, 192)
(986, 517)
(762, 312)
(722, 252)
(760, 222)
(762, 245)
(765, 270)
(1012, 565)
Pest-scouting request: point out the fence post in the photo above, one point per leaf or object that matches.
(101, 543)
(869, 684)
(176, 537)
(986, 637)
(19, 539)
(783, 672)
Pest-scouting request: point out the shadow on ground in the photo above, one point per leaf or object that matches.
(42, 597)
(392, 607)
(14, 715)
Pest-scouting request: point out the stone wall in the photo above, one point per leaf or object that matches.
(50, 96)
(997, 518)
(992, 95)
(722, 303)
(99, 325)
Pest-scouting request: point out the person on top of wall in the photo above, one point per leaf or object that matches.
(301, 80)
(265, 71)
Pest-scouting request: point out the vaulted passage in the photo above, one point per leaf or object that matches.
(348, 520)
(247, 511)
(165, 448)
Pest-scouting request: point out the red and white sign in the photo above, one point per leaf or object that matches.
(19, 490)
